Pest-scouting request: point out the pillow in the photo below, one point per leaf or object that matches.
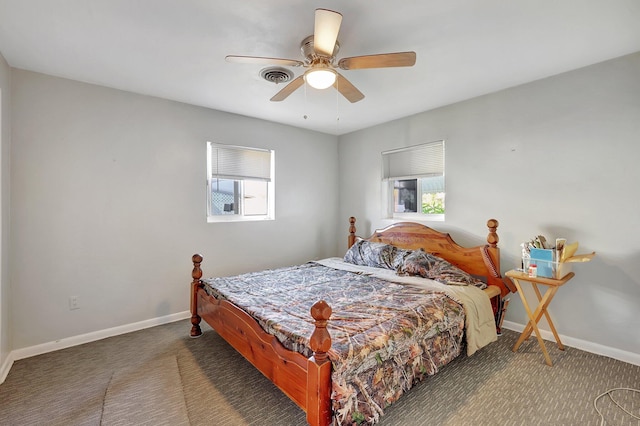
(418, 263)
(378, 255)
(433, 267)
(399, 256)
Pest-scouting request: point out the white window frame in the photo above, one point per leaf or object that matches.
(261, 170)
(413, 162)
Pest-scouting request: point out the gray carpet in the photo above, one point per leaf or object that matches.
(155, 376)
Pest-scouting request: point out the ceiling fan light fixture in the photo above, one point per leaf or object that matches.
(320, 78)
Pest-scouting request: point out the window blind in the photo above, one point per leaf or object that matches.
(415, 161)
(235, 162)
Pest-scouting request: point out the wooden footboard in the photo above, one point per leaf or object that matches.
(307, 382)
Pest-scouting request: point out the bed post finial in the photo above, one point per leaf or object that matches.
(320, 341)
(352, 231)
(196, 274)
(492, 238)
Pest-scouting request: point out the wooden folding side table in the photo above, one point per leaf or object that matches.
(543, 304)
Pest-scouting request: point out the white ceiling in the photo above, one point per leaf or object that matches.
(175, 49)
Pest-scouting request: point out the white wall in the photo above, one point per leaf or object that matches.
(5, 144)
(559, 157)
(108, 205)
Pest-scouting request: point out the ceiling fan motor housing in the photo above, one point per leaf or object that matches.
(308, 51)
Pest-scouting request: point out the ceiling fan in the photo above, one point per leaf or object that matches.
(320, 51)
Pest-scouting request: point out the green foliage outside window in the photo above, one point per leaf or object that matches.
(433, 203)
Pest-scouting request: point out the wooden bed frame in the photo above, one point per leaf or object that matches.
(307, 381)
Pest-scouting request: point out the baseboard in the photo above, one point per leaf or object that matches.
(594, 348)
(6, 366)
(96, 335)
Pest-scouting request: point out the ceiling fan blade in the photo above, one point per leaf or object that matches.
(288, 89)
(263, 61)
(325, 34)
(383, 60)
(347, 89)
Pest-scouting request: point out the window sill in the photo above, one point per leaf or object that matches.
(419, 217)
(235, 218)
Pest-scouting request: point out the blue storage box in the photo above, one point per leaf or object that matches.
(546, 264)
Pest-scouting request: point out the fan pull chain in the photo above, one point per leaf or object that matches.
(305, 116)
(337, 106)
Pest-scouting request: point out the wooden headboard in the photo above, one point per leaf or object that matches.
(482, 261)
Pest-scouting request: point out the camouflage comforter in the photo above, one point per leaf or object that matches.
(386, 336)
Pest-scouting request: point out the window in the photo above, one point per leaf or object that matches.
(239, 183)
(413, 181)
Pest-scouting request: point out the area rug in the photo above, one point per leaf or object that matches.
(150, 394)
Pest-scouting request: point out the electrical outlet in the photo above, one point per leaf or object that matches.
(74, 303)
